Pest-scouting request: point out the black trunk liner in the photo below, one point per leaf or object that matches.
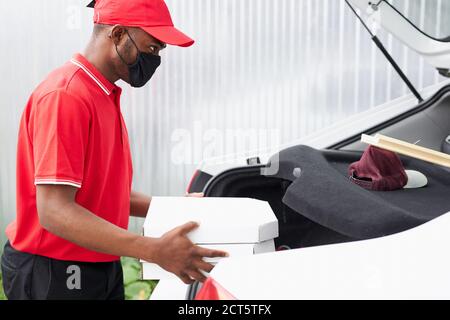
(323, 194)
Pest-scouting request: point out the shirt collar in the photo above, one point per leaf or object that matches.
(94, 74)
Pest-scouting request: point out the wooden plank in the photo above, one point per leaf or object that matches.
(407, 149)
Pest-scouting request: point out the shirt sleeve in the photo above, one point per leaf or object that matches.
(60, 133)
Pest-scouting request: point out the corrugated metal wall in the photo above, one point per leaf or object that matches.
(274, 69)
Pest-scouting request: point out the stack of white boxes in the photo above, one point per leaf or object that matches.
(239, 226)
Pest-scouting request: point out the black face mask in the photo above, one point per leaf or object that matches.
(141, 71)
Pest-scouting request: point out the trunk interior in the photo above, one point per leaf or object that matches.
(429, 123)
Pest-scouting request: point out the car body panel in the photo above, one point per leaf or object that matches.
(412, 264)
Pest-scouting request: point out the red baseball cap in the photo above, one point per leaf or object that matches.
(382, 170)
(152, 16)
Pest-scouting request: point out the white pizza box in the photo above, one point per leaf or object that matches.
(151, 271)
(221, 220)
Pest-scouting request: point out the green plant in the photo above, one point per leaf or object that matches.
(135, 287)
(2, 294)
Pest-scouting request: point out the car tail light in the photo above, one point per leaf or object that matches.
(194, 176)
(212, 290)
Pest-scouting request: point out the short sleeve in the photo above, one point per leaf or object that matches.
(59, 125)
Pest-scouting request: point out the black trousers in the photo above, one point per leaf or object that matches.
(33, 277)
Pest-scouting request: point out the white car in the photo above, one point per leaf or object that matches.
(376, 257)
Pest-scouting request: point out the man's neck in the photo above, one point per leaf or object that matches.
(96, 55)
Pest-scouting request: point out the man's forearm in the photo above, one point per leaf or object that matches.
(62, 216)
(139, 204)
(80, 226)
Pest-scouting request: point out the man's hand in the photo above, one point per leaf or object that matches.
(177, 254)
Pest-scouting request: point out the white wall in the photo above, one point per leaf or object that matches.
(282, 68)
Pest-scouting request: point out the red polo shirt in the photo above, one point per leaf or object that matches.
(72, 133)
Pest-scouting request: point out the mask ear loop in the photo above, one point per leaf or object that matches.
(120, 56)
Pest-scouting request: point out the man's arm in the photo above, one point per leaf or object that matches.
(62, 216)
(139, 204)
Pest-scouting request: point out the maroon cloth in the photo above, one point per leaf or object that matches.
(379, 170)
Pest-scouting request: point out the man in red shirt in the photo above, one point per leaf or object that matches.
(74, 169)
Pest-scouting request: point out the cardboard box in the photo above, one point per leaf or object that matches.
(151, 271)
(222, 220)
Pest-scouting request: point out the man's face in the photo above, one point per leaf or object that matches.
(123, 38)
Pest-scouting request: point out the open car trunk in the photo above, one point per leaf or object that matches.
(313, 198)
(320, 205)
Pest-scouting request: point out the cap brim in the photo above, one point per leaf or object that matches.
(169, 35)
(416, 179)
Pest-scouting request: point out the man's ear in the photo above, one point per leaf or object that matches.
(117, 33)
